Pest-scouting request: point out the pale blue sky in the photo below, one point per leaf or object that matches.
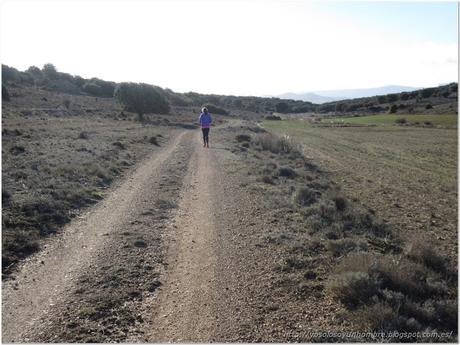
(240, 47)
(436, 21)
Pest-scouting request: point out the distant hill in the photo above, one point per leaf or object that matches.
(309, 97)
(324, 96)
(432, 100)
(368, 92)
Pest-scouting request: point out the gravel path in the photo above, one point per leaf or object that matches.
(175, 253)
(217, 284)
(184, 308)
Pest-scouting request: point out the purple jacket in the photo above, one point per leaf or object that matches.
(205, 120)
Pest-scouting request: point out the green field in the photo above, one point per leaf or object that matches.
(387, 119)
(407, 174)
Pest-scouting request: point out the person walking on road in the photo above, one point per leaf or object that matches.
(205, 123)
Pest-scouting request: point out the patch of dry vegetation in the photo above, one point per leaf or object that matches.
(397, 293)
(336, 247)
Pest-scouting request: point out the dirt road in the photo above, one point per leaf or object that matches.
(149, 263)
(47, 280)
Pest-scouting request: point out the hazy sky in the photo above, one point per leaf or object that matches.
(237, 47)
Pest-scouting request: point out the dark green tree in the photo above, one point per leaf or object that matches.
(237, 103)
(50, 72)
(92, 89)
(281, 107)
(382, 99)
(404, 96)
(141, 99)
(393, 109)
(426, 93)
(215, 109)
(10, 74)
(79, 81)
(392, 97)
(105, 88)
(35, 72)
(5, 94)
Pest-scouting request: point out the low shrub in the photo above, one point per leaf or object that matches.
(357, 262)
(392, 293)
(154, 141)
(243, 137)
(267, 179)
(294, 263)
(383, 317)
(17, 245)
(83, 135)
(119, 145)
(286, 171)
(140, 243)
(272, 117)
(401, 121)
(305, 196)
(6, 196)
(66, 103)
(45, 210)
(354, 289)
(345, 245)
(269, 168)
(98, 171)
(275, 144)
(340, 203)
(324, 214)
(422, 251)
(334, 233)
(17, 149)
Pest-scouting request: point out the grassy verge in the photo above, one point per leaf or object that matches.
(335, 247)
(408, 174)
(448, 121)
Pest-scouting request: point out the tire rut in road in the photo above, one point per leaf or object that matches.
(184, 308)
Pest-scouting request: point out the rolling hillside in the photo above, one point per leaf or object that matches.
(435, 100)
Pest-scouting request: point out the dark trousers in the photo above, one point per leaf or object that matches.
(205, 135)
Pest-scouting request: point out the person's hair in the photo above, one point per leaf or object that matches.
(204, 110)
